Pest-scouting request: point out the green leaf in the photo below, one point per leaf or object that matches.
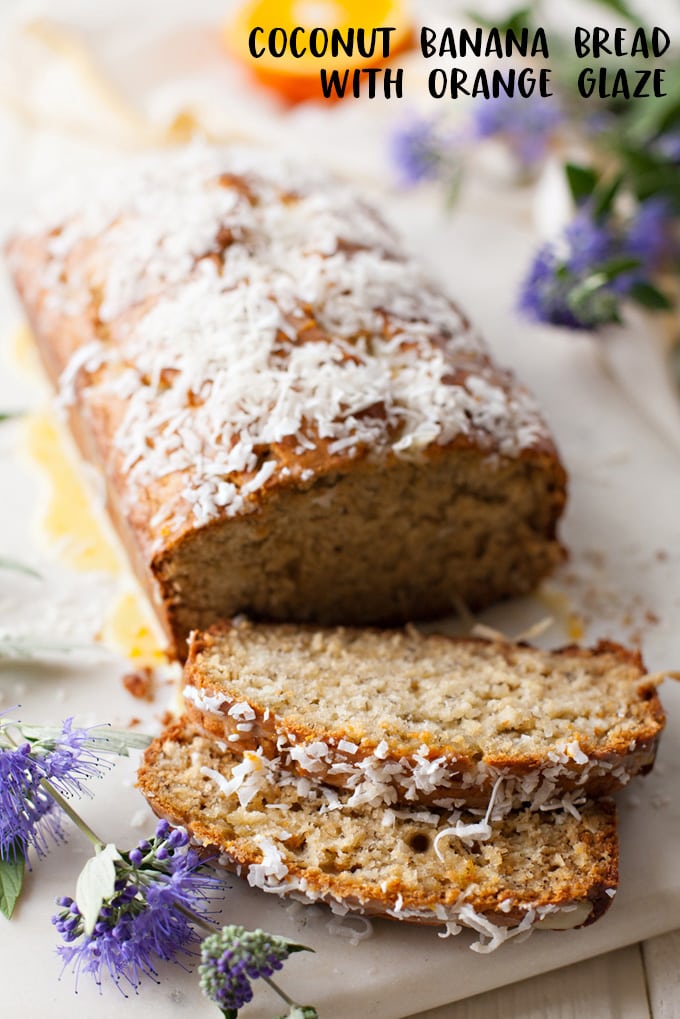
(293, 946)
(11, 882)
(96, 884)
(229, 1013)
(604, 196)
(582, 181)
(592, 303)
(649, 174)
(117, 741)
(14, 564)
(100, 738)
(616, 266)
(649, 296)
(514, 21)
(646, 121)
(28, 647)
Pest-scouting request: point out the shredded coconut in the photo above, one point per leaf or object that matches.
(248, 777)
(242, 710)
(245, 312)
(468, 833)
(271, 869)
(352, 928)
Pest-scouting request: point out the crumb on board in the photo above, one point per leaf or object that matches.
(613, 610)
(140, 684)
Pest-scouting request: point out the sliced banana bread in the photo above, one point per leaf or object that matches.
(426, 718)
(296, 837)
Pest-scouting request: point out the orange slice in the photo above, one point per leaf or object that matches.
(297, 77)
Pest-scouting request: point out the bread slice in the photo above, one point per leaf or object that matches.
(289, 835)
(291, 418)
(425, 718)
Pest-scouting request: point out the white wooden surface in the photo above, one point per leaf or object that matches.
(661, 957)
(638, 982)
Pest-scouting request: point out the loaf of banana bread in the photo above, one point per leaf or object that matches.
(292, 419)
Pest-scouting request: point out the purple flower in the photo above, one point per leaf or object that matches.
(27, 814)
(545, 292)
(234, 956)
(578, 280)
(649, 236)
(668, 145)
(588, 242)
(161, 890)
(526, 125)
(70, 760)
(420, 151)
(569, 283)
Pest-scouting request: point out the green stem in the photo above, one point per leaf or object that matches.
(198, 920)
(275, 987)
(70, 812)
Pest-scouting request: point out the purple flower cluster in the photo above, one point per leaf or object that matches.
(234, 956)
(579, 281)
(28, 815)
(161, 890)
(134, 908)
(526, 125)
(421, 152)
(649, 236)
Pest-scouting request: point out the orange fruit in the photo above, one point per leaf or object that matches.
(298, 77)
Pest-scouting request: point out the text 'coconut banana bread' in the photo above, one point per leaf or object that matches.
(292, 419)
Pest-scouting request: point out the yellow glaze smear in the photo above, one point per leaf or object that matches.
(22, 350)
(131, 630)
(79, 539)
(561, 607)
(576, 628)
(68, 519)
